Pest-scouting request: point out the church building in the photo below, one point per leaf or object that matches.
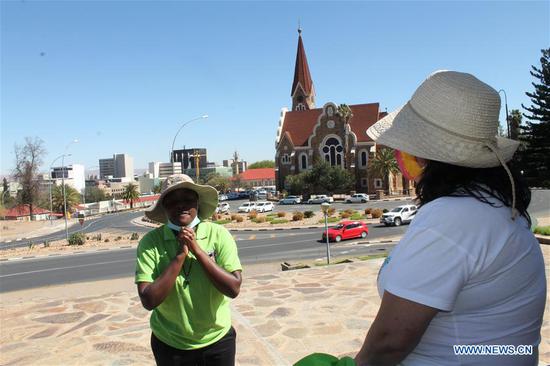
(307, 134)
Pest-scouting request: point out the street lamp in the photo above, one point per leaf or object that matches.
(51, 202)
(506, 105)
(324, 207)
(63, 186)
(177, 133)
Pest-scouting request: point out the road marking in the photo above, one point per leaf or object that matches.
(68, 267)
(272, 236)
(252, 237)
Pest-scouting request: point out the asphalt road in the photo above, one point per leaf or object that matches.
(258, 247)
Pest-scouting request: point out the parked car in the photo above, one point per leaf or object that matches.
(290, 200)
(399, 215)
(222, 197)
(233, 196)
(346, 230)
(320, 198)
(264, 206)
(358, 198)
(247, 207)
(223, 208)
(244, 194)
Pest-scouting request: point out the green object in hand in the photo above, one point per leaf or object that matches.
(323, 359)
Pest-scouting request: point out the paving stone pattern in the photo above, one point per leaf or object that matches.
(279, 318)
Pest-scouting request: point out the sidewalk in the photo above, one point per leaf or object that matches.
(279, 318)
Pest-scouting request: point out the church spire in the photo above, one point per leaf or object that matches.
(303, 93)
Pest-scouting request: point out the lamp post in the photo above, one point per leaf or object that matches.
(324, 207)
(177, 133)
(506, 106)
(63, 187)
(51, 202)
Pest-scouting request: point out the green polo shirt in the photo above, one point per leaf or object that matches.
(194, 314)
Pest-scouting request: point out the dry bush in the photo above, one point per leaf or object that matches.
(345, 215)
(368, 211)
(331, 211)
(252, 214)
(376, 213)
(239, 218)
(281, 214)
(297, 216)
(260, 219)
(234, 217)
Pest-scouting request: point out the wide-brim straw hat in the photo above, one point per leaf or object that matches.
(208, 197)
(453, 118)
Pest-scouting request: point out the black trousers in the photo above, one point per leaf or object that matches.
(221, 353)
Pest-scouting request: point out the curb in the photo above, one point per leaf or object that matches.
(543, 239)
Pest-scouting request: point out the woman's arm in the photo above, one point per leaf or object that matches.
(152, 294)
(228, 283)
(395, 332)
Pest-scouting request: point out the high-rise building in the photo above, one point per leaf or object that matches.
(154, 168)
(119, 166)
(167, 169)
(190, 157)
(73, 175)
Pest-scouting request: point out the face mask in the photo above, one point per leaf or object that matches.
(175, 227)
(408, 165)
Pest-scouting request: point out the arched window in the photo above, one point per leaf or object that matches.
(300, 107)
(303, 161)
(333, 151)
(363, 158)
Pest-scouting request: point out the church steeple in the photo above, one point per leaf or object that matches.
(303, 93)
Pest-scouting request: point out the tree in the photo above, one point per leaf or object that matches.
(321, 178)
(515, 123)
(131, 193)
(384, 164)
(73, 198)
(28, 159)
(157, 188)
(262, 164)
(217, 181)
(344, 111)
(296, 183)
(5, 185)
(94, 194)
(534, 154)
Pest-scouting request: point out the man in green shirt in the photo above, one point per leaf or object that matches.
(185, 272)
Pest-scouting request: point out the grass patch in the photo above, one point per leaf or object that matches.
(372, 256)
(542, 230)
(356, 216)
(272, 215)
(278, 221)
(331, 220)
(222, 222)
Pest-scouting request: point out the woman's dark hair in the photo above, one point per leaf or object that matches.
(442, 179)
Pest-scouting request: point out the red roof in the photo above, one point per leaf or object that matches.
(145, 199)
(300, 124)
(24, 210)
(301, 69)
(258, 174)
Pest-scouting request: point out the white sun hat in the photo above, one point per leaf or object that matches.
(452, 117)
(208, 197)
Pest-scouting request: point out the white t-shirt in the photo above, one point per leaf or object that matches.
(484, 271)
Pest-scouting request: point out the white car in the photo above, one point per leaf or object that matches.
(290, 200)
(320, 198)
(222, 208)
(358, 198)
(247, 207)
(264, 206)
(399, 215)
(222, 197)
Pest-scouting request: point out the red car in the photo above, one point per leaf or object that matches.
(347, 230)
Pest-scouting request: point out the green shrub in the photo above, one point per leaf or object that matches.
(31, 245)
(46, 243)
(98, 237)
(118, 238)
(376, 213)
(309, 214)
(385, 210)
(281, 214)
(77, 239)
(297, 216)
(222, 222)
(542, 230)
(134, 236)
(279, 221)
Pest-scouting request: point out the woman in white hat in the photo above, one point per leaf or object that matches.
(185, 272)
(468, 271)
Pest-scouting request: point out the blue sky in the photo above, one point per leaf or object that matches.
(122, 76)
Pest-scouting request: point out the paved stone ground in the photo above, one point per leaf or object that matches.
(279, 318)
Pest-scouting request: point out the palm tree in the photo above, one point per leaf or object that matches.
(71, 194)
(130, 193)
(384, 164)
(344, 111)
